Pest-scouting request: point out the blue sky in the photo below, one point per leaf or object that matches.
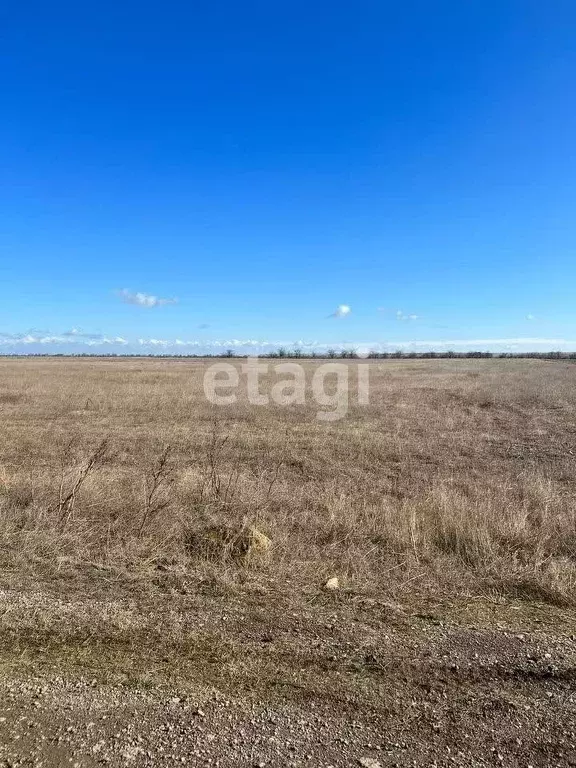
(258, 165)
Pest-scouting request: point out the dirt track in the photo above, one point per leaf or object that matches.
(335, 684)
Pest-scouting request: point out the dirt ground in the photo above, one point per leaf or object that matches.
(263, 680)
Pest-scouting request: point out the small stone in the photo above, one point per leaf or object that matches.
(331, 585)
(369, 762)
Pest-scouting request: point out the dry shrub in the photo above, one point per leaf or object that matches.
(245, 545)
(511, 538)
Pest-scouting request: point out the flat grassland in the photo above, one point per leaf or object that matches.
(151, 542)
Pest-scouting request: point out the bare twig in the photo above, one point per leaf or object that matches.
(67, 499)
(161, 474)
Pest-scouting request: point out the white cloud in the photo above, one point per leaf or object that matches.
(530, 317)
(481, 345)
(68, 338)
(74, 343)
(403, 316)
(342, 310)
(214, 344)
(76, 334)
(144, 299)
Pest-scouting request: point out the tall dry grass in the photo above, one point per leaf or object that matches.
(458, 478)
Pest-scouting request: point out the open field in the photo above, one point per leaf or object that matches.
(164, 548)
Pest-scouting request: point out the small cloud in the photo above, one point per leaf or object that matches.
(144, 299)
(403, 316)
(76, 333)
(530, 317)
(203, 326)
(342, 310)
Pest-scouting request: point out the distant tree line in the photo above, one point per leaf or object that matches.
(400, 354)
(329, 354)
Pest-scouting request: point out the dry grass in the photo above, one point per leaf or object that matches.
(457, 479)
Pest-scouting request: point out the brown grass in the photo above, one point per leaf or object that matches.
(458, 478)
